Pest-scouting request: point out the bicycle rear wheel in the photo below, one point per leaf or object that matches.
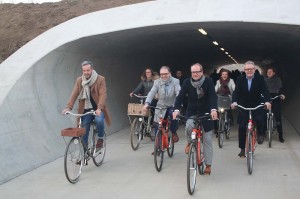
(73, 160)
(192, 168)
(249, 152)
(270, 130)
(99, 153)
(221, 131)
(158, 151)
(170, 148)
(227, 127)
(136, 133)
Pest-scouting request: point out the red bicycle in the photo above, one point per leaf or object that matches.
(250, 138)
(163, 139)
(195, 160)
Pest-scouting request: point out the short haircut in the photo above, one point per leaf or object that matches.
(165, 67)
(197, 64)
(87, 63)
(249, 63)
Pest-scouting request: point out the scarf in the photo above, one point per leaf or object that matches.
(166, 84)
(85, 92)
(224, 89)
(198, 85)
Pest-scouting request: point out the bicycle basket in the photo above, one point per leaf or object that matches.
(73, 132)
(224, 102)
(136, 109)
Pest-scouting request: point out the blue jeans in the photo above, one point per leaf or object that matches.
(86, 123)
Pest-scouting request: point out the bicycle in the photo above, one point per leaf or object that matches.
(250, 138)
(163, 139)
(271, 123)
(224, 123)
(141, 126)
(195, 160)
(77, 152)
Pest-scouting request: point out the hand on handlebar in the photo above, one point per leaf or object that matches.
(233, 105)
(282, 96)
(214, 115)
(145, 107)
(268, 105)
(175, 114)
(65, 111)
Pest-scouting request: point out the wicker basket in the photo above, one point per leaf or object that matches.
(224, 102)
(73, 132)
(137, 109)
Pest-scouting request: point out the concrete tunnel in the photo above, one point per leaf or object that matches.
(37, 80)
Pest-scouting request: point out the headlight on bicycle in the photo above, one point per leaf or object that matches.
(221, 110)
(193, 136)
(140, 119)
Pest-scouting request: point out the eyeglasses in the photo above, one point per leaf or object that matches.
(249, 69)
(164, 74)
(196, 72)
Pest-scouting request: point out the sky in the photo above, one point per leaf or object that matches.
(27, 1)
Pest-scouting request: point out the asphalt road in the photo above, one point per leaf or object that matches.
(131, 174)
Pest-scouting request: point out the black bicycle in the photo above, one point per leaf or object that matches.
(77, 153)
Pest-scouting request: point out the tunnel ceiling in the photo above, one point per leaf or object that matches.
(182, 44)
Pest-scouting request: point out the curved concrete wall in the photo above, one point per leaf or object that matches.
(36, 81)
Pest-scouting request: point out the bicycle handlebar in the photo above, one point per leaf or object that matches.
(250, 109)
(159, 108)
(92, 112)
(277, 96)
(139, 96)
(197, 117)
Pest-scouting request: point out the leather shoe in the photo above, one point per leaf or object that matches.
(260, 139)
(175, 138)
(242, 153)
(281, 139)
(186, 149)
(207, 170)
(99, 143)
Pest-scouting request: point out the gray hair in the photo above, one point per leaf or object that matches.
(165, 67)
(249, 63)
(84, 63)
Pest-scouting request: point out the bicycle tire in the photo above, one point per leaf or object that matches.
(227, 127)
(73, 160)
(249, 152)
(158, 152)
(201, 165)
(192, 168)
(99, 154)
(136, 133)
(221, 131)
(152, 133)
(270, 130)
(170, 148)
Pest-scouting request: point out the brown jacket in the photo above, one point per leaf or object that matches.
(98, 93)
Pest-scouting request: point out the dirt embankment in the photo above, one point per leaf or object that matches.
(20, 23)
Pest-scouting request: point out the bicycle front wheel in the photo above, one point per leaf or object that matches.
(270, 130)
(249, 152)
(136, 133)
(227, 127)
(73, 160)
(99, 153)
(192, 168)
(170, 148)
(221, 131)
(158, 151)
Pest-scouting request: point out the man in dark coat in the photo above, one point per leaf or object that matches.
(201, 99)
(248, 93)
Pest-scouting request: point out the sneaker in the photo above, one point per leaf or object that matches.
(175, 138)
(99, 143)
(260, 139)
(242, 153)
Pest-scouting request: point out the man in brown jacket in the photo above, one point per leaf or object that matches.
(91, 90)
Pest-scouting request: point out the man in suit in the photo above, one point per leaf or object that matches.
(247, 93)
